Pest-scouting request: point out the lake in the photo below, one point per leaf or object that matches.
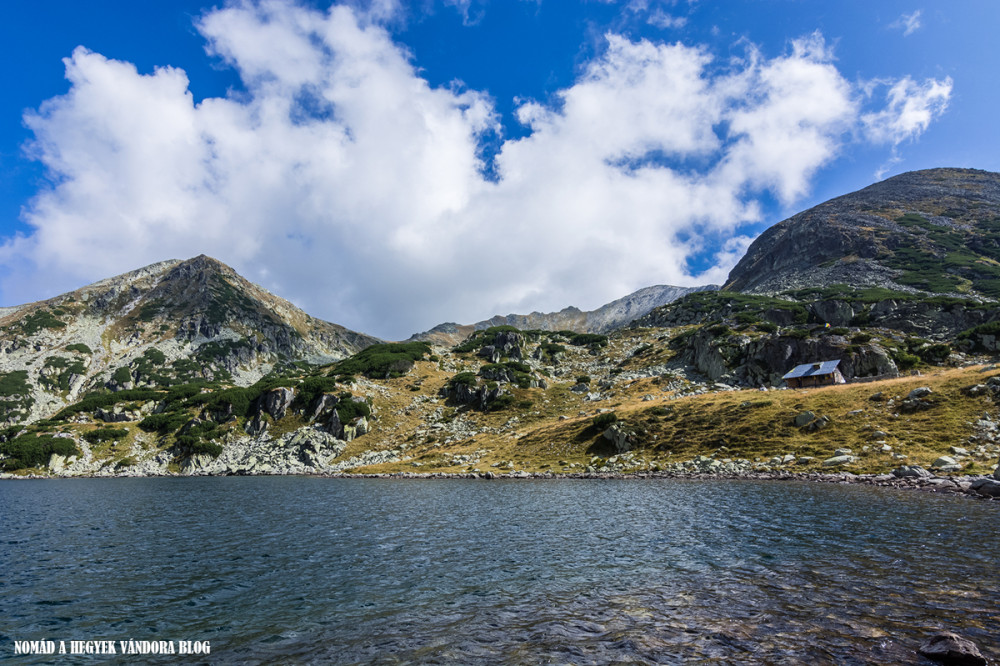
(357, 571)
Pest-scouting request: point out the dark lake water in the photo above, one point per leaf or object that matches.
(311, 570)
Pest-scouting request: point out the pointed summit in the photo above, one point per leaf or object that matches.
(169, 322)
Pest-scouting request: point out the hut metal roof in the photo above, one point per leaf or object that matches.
(812, 369)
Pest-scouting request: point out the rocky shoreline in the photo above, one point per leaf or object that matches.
(979, 487)
(905, 478)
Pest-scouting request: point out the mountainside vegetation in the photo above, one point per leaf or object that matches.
(184, 367)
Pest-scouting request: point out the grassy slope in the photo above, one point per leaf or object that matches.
(751, 424)
(555, 432)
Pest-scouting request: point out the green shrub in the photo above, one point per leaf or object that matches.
(483, 338)
(766, 327)
(583, 379)
(719, 330)
(164, 423)
(602, 421)
(551, 349)
(191, 445)
(588, 340)
(105, 434)
(122, 375)
(391, 359)
(34, 450)
(79, 347)
(935, 353)
(904, 360)
(103, 399)
(36, 321)
(14, 383)
(500, 403)
(467, 378)
(311, 388)
(348, 410)
(861, 338)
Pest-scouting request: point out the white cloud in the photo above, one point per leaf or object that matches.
(908, 23)
(661, 19)
(342, 180)
(911, 108)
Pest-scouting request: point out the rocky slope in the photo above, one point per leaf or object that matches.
(171, 322)
(935, 231)
(608, 317)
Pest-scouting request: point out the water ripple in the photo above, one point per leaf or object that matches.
(304, 570)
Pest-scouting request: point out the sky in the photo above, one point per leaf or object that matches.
(391, 165)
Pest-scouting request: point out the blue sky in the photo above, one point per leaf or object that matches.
(389, 166)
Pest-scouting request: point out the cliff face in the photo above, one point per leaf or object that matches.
(935, 231)
(170, 322)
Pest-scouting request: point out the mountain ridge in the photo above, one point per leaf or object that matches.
(607, 317)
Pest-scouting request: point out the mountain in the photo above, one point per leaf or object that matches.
(934, 231)
(170, 322)
(608, 317)
(187, 368)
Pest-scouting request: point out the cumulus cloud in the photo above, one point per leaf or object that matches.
(911, 108)
(908, 23)
(342, 180)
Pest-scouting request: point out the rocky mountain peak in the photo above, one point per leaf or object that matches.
(935, 231)
(173, 321)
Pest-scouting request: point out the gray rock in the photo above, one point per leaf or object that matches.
(918, 393)
(622, 439)
(958, 451)
(946, 464)
(843, 452)
(276, 401)
(949, 648)
(803, 419)
(837, 461)
(986, 487)
(818, 424)
(911, 471)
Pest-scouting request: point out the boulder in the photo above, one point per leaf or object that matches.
(837, 461)
(256, 426)
(996, 472)
(949, 648)
(818, 424)
(324, 404)
(911, 471)
(986, 487)
(276, 401)
(843, 452)
(803, 419)
(622, 439)
(917, 393)
(946, 464)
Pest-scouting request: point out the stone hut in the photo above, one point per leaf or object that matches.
(821, 373)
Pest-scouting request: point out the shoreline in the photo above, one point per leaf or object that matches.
(986, 488)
